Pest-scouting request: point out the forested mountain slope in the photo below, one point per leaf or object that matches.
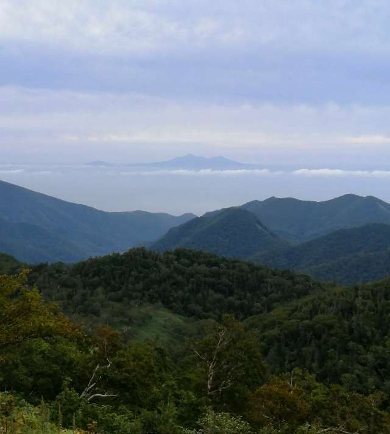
(231, 232)
(299, 221)
(342, 335)
(190, 283)
(32, 244)
(8, 264)
(55, 230)
(359, 268)
(59, 377)
(345, 256)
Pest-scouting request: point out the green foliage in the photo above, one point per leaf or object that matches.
(9, 265)
(342, 335)
(189, 283)
(37, 342)
(69, 410)
(39, 367)
(345, 256)
(175, 351)
(220, 423)
(19, 417)
(152, 322)
(228, 364)
(297, 403)
(358, 268)
(138, 371)
(24, 316)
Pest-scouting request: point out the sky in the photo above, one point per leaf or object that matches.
(296, 84)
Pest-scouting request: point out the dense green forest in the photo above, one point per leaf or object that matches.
(299, 221)
(344, 256)
(232, 232)
(190, 283)
(9, 265)
(361, 267)
(187, 342)
(341, 335)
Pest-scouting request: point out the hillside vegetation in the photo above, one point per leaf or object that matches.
(344, 240)
(8, 264)
(299, 221)
(309, 358)
(354, 269)
(342, 335)
(232, 232)
(189, 283)
(345, 256)
(37, 228)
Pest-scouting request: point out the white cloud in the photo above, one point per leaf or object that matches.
(325, 173)
(36, 122)
(203, 172)
(338, 173)
(108, 28)
(229, 173)
(11, 172)
(142, 26)
(368, 140)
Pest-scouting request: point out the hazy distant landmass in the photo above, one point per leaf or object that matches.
(186, 162)
(193, 162)
(189, 183)
(99, 163)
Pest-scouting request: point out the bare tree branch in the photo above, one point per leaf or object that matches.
(93, 381)
(101, 395)
(215, 366)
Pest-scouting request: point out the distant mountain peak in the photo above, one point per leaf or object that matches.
(188, 157)
(201, 157)
(230, 232)
(301, 220)
(99, 163)
(196, 162)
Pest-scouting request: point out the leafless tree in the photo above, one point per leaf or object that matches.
(92, 390)
(215, 365)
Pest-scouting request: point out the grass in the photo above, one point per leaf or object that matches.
(139, 322)
(156, 323)
(19, 417)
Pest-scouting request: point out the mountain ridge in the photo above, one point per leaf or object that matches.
(299, 221)
(86, 230)
(231, 232)
(194, 162)
(346, 256)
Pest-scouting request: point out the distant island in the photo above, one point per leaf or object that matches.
(194, 162)
(99, 163)
(186, 162)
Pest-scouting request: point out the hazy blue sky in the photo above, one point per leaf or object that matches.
(292, 82)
